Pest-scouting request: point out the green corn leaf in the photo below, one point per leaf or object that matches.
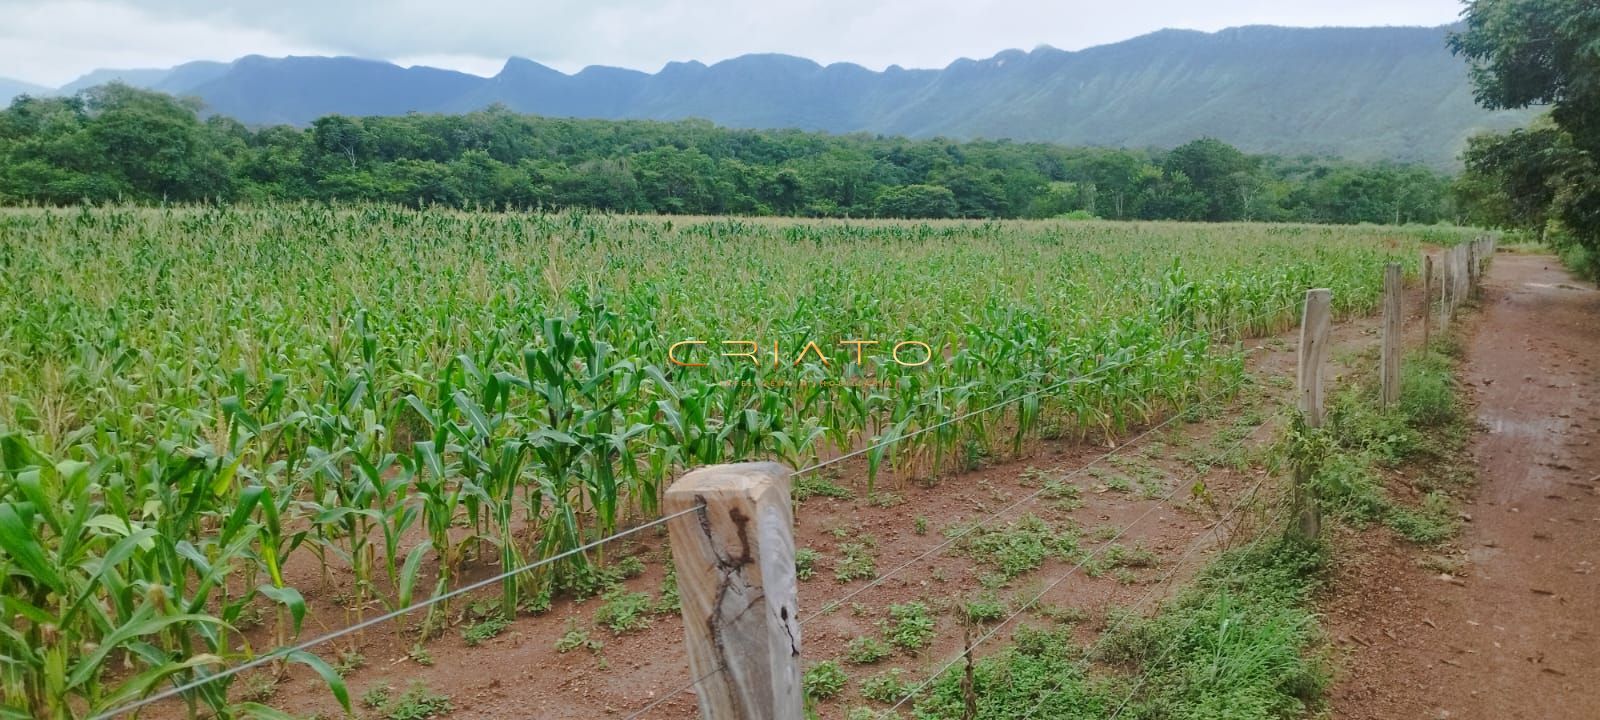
(289, 598)
(142, 623)
(329, 676)
(408, 574)
(18, 540)
(145, 682)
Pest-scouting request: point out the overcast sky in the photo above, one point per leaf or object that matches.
(50, 42)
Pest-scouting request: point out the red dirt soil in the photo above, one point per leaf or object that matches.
(519, 673)
(1513, 634)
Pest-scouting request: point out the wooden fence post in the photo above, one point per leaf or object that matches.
(1472, 268)
(1390, 353)
(1444, 290)
(1314, 321)
(1427, 302)
(736, 580)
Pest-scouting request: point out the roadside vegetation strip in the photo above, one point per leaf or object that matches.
(208, 416)
(1243, 641)
(935, 690)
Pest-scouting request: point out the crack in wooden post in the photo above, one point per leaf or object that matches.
(736, 581)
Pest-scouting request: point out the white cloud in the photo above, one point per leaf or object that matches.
(472, 64)
(51, 41)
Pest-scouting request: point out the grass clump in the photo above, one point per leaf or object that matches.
(1235, 646)
(1041, 674)
(1434, 522)
(670, 602)
(418, 703)
(1120, 557)
(1063, 496)
(485, 629)
(809, 486)
(984, 609)
(1421, 435)
(377, 696)
(576, 637)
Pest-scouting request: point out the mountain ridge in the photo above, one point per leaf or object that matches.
(1386, 93)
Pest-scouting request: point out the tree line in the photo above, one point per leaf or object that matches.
(1543, 180)
(119, 143)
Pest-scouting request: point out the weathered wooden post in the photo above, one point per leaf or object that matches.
(1472, 268)
(1427, 302)
(735, 561)
(1314, 321)
(1445, 278)
(1390, 352)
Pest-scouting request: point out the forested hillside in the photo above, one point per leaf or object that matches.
(117, 143)
(1359, 93)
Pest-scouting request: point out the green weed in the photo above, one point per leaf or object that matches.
(824, 680)
(910, 626)
(866, 650)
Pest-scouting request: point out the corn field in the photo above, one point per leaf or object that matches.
(190, 399)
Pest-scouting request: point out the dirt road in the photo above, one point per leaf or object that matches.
(1517, 633)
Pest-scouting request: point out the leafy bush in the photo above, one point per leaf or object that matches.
(1019, 547)
(856, 563)
(866, 650)
(910, 626)
(886, 687)
(824, 680)
(805, 563)
(624, 611)
(987, 608)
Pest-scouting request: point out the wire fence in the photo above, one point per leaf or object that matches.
(1075, 380)
(835, 603)
(681, 690)
(1074, 569)
(1164, 585)
(286, 653)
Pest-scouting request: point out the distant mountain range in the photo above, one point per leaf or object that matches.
(1359, 93)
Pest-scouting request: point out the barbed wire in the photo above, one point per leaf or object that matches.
(972, 527)
(1047, 588)
(282, 653)
(968, 529)
(285, 652)
(1164, 584)
(1076, 379)
(1143, 677)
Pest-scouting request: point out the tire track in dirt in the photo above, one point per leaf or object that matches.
(1514, 635)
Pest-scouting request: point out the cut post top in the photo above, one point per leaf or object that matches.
(749, 478)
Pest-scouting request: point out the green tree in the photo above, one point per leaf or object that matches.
(1219, 175)
(1512, 179)
(1540, 52)
(917, 201)
(155, 143)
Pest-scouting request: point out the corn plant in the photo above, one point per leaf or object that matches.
(191, 398)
